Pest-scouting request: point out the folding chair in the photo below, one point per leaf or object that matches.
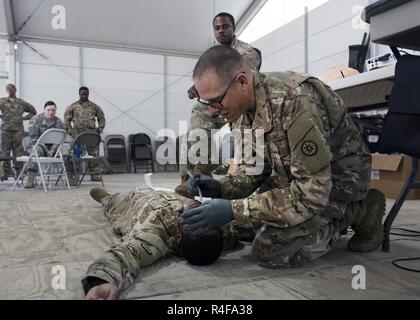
(115, 151)
(51, 136)
(84, 140)
(141, 150)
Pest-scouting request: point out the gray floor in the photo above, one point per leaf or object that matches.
(41, 230)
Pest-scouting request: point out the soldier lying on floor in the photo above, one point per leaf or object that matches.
(148, 224)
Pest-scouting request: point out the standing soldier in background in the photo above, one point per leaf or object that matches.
(81, 117)
(11, 115)
(37, 126)
(201, 116)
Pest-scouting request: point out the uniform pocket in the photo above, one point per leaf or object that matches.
(279, 154)
(158, 203)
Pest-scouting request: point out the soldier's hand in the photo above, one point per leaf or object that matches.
(105, 291)
(209, 187)
(192, 93)
(210, 215)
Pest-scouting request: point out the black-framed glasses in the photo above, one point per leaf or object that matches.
(217, 102)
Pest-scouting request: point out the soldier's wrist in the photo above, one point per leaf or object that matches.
(240, 210)
(91, 282)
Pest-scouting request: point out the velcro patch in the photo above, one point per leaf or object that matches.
(309, 148)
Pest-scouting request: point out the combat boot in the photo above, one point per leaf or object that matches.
(3, 175)
(182, 189)
(98, 194)
(73, 180)
(30, 183)
(365, 218)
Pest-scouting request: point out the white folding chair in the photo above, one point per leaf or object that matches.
(51, 136)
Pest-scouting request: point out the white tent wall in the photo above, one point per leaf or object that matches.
(129, 86)
(332, 27)
(3, 65)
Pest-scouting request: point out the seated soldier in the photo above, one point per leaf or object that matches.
(148, 224)
(37, 126)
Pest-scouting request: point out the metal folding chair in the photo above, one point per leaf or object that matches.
(115, 152)
(86, 139)
(51, 136)
(141, 151)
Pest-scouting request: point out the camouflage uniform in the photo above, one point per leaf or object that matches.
(148, 224)
(321, 163)
(81, 117)
(37, 126)
(200, 117)
(12, 110)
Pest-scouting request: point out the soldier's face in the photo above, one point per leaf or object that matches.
(49, 112)
(223, 30)
(84, 95)
(11, 90)
(229, 100)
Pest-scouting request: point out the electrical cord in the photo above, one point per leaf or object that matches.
(408, 233)
(415, 232)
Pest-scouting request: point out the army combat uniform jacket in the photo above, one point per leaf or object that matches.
(12, 111)
(39, 124)
(83, 116)
(312, 146)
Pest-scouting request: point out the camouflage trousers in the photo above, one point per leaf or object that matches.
(42, 152)
(12, 142)
(201, 119)
(295, 246)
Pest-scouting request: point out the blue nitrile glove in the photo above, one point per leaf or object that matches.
(210, 215)
(209, 187)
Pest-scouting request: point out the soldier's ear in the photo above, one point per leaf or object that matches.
(243, 79)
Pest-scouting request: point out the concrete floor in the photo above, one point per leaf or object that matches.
(41, 230)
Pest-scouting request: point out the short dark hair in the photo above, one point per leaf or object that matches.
(203, 250)
(10, 84)
(50, 103)
(227, 15)
(225, 61)
(83, 88)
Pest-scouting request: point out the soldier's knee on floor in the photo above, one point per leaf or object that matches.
(277, 248)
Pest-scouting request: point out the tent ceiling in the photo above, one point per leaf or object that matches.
(160, 26)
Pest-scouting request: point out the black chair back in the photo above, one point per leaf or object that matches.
(401, 131)
(88, 139)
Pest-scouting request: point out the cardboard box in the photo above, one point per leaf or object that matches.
(389, 174)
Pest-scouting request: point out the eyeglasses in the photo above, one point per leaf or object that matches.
(217, 102)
